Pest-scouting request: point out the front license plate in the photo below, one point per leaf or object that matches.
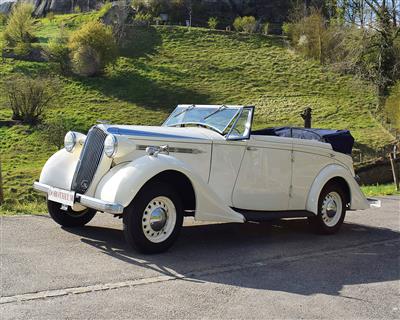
(62, 196)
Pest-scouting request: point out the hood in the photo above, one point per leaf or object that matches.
(163, 133)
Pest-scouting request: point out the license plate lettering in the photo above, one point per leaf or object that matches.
(62, 196)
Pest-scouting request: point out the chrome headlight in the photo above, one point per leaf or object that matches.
(110, 146)
(70, 141)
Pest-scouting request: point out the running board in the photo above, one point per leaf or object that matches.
(255, 215)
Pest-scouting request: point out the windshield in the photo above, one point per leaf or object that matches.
(215, 117)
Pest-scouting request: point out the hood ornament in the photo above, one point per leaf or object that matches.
(103, 121)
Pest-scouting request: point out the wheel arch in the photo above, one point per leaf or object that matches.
(123, 182)
(343, 184)
(338, 174)
(181, 184)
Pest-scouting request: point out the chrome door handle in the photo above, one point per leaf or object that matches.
(251, 148)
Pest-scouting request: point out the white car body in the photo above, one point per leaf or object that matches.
(231, 179)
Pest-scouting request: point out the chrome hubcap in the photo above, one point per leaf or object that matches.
(159, 219)
(332, 209)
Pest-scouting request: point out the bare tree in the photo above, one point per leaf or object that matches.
(385, 25)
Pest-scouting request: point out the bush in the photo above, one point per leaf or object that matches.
(212, 23)
(92, 47)
(54, 130)
(237, 24)
(246, 24)
(143, 18)
(307, 34)
(266, 28)
(29, 97)
(3, 19)
(77, 9)
(392, 107)
(57, 51)
(20, 26)
(50, 16)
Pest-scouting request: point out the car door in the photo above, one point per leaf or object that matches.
(264, 178)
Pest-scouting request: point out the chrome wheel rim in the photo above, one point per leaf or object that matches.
(159, 219)
(331, 209)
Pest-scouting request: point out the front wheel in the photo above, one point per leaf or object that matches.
(69, 218)
(331, 210)
(153, 220)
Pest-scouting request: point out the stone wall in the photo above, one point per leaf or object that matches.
(378, 171)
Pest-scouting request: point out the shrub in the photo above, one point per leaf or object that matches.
(249, 24)
(29, 97)
(77, 9)
(54, 130)
(3, 19)
(50, 16)
(212, 23)
(143, 18)
(392, 107)
(238, 24)
(266, 28)
(246, 24)
(57, 51)
(92, 47)
(287, 29)
(307, 34)
(20, 26)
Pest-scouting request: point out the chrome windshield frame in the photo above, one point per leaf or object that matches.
(249, 124)
(221, 132)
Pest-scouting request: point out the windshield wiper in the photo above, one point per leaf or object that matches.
(215, 112)
(185, 110)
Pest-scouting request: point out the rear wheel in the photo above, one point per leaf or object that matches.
(69, 218)
(153, 220)
(331, 210)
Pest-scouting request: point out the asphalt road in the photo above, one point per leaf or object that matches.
(245, 271)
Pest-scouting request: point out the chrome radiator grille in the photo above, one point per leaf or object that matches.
(89, 160)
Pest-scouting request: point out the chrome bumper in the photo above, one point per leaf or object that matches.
(90, 202)
(374, 203)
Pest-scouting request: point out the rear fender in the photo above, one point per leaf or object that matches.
(124, 181)
(357, 198)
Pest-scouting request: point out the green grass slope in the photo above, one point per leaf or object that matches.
(164, 66)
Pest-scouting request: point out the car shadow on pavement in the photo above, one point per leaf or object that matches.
(281, 256)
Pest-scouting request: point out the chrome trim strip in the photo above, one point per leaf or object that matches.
(141, 133)
(90, 202)
(143, 147)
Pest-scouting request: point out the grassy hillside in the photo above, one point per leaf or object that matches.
(164, 66)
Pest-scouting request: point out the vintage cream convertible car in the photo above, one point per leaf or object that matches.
(205, 162)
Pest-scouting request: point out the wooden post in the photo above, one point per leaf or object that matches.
(306, 115)
(394, 172)
(1, 187)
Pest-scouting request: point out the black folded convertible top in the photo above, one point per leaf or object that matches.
(340, 140)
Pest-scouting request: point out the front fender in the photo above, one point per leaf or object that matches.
(59, 169)
(123, 182)
(357, 198)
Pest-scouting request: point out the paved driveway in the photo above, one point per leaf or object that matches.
(214, 271)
